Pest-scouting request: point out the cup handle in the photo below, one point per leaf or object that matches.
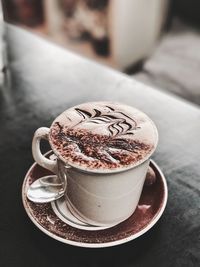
(42, 133)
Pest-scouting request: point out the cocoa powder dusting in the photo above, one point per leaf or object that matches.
(96, 151)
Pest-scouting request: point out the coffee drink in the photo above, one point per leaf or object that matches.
(102, 136)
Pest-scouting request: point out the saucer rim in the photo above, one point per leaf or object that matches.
(98, 245)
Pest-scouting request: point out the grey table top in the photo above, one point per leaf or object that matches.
(45, 80)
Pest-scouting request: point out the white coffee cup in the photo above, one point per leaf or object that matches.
(98, 197)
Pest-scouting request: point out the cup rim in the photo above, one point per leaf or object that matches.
(107, 171)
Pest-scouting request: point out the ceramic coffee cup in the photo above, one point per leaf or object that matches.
(103, 151)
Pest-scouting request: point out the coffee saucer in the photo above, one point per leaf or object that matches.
(150, 208)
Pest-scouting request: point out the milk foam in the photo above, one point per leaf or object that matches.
(103, 135)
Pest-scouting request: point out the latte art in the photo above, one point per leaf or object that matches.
(102, 135)
(116, 122)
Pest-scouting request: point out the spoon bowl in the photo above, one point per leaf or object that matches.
(45, 189)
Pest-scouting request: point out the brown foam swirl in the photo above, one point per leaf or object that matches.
(117, 122)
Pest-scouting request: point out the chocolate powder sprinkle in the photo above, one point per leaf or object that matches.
(85, 148)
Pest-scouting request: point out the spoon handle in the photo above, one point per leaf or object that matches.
(51, 180)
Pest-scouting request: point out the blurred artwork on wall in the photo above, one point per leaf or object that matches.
(114, 32)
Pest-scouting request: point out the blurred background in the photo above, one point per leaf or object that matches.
(154, 41)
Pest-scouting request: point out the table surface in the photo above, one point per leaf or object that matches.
(44, 81)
